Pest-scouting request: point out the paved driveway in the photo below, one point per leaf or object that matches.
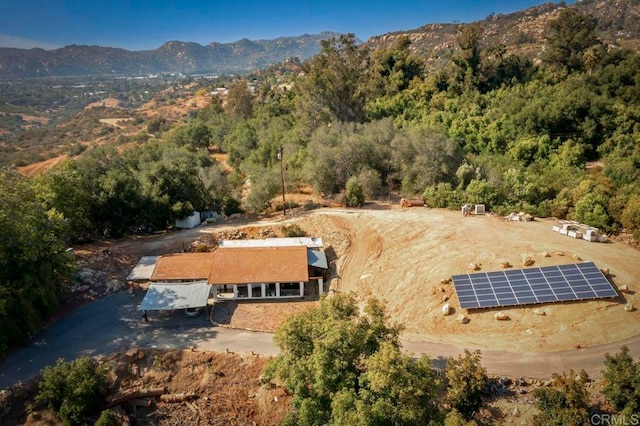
(113, 324)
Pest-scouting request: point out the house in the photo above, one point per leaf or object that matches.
(260, 273)
(282, 268)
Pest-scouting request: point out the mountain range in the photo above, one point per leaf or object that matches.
(238, 57)
(521, 32)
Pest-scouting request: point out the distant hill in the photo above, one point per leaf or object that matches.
(524, 31)
(175, 56)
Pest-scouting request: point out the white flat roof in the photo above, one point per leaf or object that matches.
(274, 242)
(170, 296)
(144, 269)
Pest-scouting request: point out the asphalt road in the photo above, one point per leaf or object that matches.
(113, 324)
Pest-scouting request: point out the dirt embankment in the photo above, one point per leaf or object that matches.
(188, 387)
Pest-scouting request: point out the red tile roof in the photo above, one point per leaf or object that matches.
(245, 265)
(183, 266)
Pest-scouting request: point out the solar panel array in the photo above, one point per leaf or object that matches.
(576, 281)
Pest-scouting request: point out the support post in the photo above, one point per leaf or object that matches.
(284, 205)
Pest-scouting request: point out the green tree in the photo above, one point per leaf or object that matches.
(466, 377)
(333, 84)
(569, 36)
(371, 182)
(591, 210)
(394, 68)
(346, 367)
(264, 184)
(469, 57)
(35, 267)
(566, 402)
(157, 125)
(62, 189)
(621, 378)
(354, 196)
(74, 390)
(195, 135)
(424, 158)
(240, 100)
(631, 214)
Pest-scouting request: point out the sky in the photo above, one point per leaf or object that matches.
(146, 25)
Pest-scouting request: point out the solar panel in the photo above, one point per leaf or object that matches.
(576, 281)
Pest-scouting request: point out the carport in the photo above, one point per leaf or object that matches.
(170, 296)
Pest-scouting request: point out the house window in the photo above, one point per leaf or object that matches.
(243, 291)
(289, 289)
(256, 291)
(271, 290)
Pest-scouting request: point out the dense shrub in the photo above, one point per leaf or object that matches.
(354, 195)
(622, 381)
(466, 377)
(566, 402)
(292, 230)
(74, 390)
(343, 365)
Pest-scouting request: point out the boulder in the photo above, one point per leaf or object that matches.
(545, 254)
(445, 298)
(528, 261)
(624, 288)
(559, 253)
(629, 307)
(501, 316)
(474, 266)
(446, 309)
(506, 264)
(462, 319)
(576, 257)
(539, 311)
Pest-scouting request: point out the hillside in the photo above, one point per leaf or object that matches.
(173, 57)
(524, 31)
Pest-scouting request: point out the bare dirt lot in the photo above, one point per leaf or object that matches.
(401, 256)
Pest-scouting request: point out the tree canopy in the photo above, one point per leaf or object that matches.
(346, 367)
(35, 267)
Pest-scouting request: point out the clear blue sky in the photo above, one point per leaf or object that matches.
(144, 24)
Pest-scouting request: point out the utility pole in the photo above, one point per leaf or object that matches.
(284, 205)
